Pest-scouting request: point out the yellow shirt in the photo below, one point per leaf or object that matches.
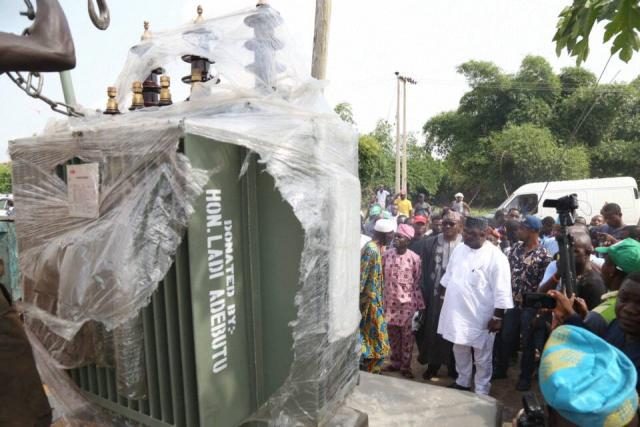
(404, 206)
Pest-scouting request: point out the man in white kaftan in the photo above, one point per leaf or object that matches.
(478, 290)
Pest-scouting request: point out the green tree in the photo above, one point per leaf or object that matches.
(537, 79)
(576, 22)
(424, 173)
(530, 110)
(574, 78)
(383, 133)
(5, 178)
(446, 130)
(533, 125)
(528, 154)
(345, 112)
(489, 97)
(588, 115)
(616, 158)
(371, 161)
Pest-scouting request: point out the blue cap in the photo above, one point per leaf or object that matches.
(532, 222)
(588, 381)
(375, 210)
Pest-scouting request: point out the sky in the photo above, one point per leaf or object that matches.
(369, 41)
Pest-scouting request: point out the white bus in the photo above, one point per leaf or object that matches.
(592, 195)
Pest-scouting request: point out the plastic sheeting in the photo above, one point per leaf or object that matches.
(78, 271)
(105, 269)
(9, 254)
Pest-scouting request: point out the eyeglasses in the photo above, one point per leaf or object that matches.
(448, 224)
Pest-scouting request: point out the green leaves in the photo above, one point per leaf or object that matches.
(577, 21)
(5, 178)
(376, 162)
(345, 112)
(624, 25)
(534, 125)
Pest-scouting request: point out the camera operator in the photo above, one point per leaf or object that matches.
(622, 327)
(589, 284)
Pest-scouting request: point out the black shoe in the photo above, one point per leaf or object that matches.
(499, 375)
(429, 373)
(523, 385)
(458, 387)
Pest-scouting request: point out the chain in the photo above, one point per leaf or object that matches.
(32, 86)
(34, 89)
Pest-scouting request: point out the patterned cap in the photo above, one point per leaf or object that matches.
(406, 231)
(588, 381)
(476, 222)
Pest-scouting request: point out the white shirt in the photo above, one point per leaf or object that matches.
(477, 281)
(382, 197)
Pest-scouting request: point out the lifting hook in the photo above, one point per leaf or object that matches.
(102, 21)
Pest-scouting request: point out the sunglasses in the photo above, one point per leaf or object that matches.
(448, 224)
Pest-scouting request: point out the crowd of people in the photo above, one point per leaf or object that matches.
(463, 289)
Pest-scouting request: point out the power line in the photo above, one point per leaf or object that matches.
(586, 113)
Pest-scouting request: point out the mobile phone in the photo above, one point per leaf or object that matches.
(535, 300)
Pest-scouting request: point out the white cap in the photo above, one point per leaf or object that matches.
(385, 225)
(459, 195)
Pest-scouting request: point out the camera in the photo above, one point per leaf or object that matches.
(533, 415)
(563, 204)
(565, 207)
(538, 301)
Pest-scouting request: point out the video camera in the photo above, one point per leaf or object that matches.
(565, 207)
(533, 414)
(567, 204)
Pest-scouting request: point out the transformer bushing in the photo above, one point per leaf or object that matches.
(199, 65)
(264, 46)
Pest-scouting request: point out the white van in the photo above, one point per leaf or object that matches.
(592, 195)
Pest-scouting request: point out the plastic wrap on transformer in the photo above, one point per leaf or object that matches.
(264, 103)
(312, 160)
(131, 379)
(76, 271)
(9, 254)
(70, 407)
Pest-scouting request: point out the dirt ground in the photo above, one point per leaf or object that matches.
(502, 390)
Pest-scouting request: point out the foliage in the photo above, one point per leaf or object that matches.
(445, 131)
(577, 21)
(5, 178)
(574, 78)
(511, 129)
(616, 158)
(345, 112)
(424, 173)
(371, 161)
(383, 134)
(529, 154)
(587, 116)
(532, 125)
(376, 160)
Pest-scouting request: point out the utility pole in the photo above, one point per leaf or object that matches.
(404, 136)
(401, 154)
(398, 171)
(321, 39)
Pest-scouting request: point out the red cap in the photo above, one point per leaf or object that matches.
(420, 219)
